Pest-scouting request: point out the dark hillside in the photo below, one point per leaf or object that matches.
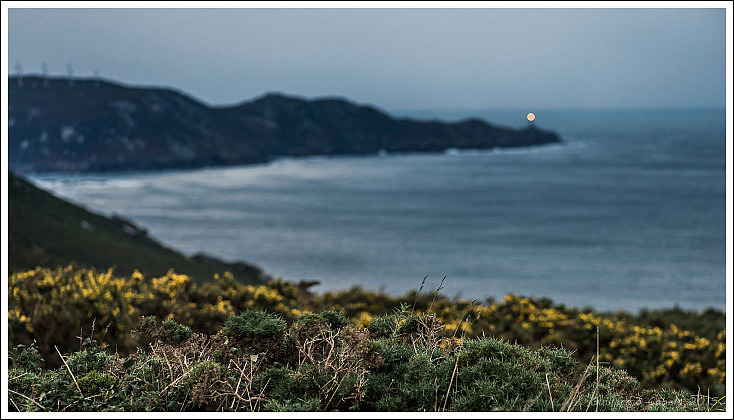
(92, 125)
(47, 231)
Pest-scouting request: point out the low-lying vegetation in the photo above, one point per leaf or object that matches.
(224, 345)
(322, 361)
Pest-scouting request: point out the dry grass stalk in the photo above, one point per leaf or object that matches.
(248, 368)
(571, 400)
(456, 367)
(176, 381)
(209, 385)
(418, 293)
(597, 369)
(463, 317)
(591, 400)
(435, 401)
(18, 377)
(427, 336)
(26, 397)
(451, 382)
(322, 351)
(435, 295)
(70, 372)
(14, 404)
(549, 392)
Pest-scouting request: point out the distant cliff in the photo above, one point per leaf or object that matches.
(63, 125)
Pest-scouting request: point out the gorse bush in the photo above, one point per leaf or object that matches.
(253, 326)
(173, 332)
(255, 330)
(669, 348)
(337, 366)
(656, 347)
(73, 299)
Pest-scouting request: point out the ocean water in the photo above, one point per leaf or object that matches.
(627, 213)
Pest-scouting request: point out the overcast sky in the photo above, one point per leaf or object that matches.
(396, 59)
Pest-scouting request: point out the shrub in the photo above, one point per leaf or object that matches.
(339, 368)
(257, 331)
(665, 348)
(174, 333)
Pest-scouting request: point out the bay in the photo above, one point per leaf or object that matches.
(627, 213)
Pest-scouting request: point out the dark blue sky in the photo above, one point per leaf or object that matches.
(396, 59)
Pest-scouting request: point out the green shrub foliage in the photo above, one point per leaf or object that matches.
(224, 345)
(337, 366)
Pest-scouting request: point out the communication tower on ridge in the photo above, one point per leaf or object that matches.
(70, 71)
(19, 74)
(44, 69)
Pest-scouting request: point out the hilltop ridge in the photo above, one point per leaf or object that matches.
(78, 125)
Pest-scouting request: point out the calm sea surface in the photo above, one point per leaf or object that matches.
(629, 212)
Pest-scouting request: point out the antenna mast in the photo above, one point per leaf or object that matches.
(19, 74)
(45, 74)
(71, 74)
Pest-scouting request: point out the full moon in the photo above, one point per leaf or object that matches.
(531, 117)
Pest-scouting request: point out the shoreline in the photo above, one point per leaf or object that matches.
(195, 167)
(335, 283)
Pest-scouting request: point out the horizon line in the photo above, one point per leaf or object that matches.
(391, 110)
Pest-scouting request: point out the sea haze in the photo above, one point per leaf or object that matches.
(627, 213)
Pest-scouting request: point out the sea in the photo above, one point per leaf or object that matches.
(628, 212)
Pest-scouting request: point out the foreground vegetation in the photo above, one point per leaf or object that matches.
(210, 346)
(400, 362)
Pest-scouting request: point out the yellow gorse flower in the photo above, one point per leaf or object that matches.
(76, 296)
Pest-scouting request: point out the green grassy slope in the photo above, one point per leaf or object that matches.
(45, 230)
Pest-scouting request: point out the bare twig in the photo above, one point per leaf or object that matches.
(27, 397)
(549, 392)
(453, 375)
(19, 376)
(11, 400)
(67, 368)
(81, 337)
(574, 393)
(176, 381)
(717, 402)
(237, 388)
(435, 403)
(597, 369)
(260, 398)
(591, 400)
